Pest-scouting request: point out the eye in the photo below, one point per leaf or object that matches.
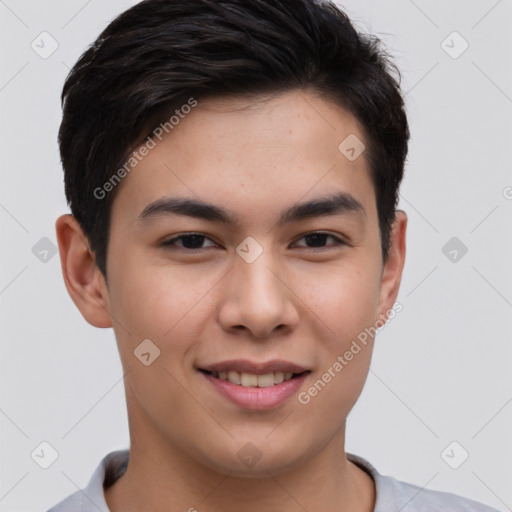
(192, 241)
(189, 241)
(318, 239)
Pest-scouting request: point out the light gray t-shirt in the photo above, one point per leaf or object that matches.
(391, 495)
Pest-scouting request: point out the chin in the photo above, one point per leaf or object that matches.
(258, 459)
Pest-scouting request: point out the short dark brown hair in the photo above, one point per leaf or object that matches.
(158, 54)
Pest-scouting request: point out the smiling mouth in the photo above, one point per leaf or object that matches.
(250, 380)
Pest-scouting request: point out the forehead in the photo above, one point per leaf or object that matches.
(251, 154)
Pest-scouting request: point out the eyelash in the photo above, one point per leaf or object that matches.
(172, 242)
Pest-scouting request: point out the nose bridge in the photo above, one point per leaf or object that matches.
(255, 274)
(257, 299)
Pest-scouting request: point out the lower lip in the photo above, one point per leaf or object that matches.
(257, 399)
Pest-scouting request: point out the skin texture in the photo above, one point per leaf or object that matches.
(297, 303)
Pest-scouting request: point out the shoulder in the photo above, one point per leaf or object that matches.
(413, 498)
(92, 498)
(69, 504)
(393, 495)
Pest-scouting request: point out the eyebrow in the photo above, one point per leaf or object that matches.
(338, 203)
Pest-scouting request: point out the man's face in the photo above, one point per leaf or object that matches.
(254, 290)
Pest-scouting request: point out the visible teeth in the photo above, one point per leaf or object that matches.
(278, 377)
(264, 381)
(234, 377)
(250, 380)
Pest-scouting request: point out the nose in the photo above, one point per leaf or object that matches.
(258, 299)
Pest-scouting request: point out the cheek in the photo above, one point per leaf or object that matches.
(344, 297)
(162, 303)
(347, 304)
(350, 311)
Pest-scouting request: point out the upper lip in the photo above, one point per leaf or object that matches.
(254, 367)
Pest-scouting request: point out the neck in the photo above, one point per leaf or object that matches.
(161, 477)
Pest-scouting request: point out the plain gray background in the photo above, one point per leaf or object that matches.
(441, 369)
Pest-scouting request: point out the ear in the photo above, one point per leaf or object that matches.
(84, 281)
(392, 270)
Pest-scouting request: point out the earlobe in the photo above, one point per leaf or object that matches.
(393, 268)
(83, 280)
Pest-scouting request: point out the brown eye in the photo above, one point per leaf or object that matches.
(190, 241)
(318, 240)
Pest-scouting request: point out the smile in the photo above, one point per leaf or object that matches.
(251, 380)
(255, 386)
